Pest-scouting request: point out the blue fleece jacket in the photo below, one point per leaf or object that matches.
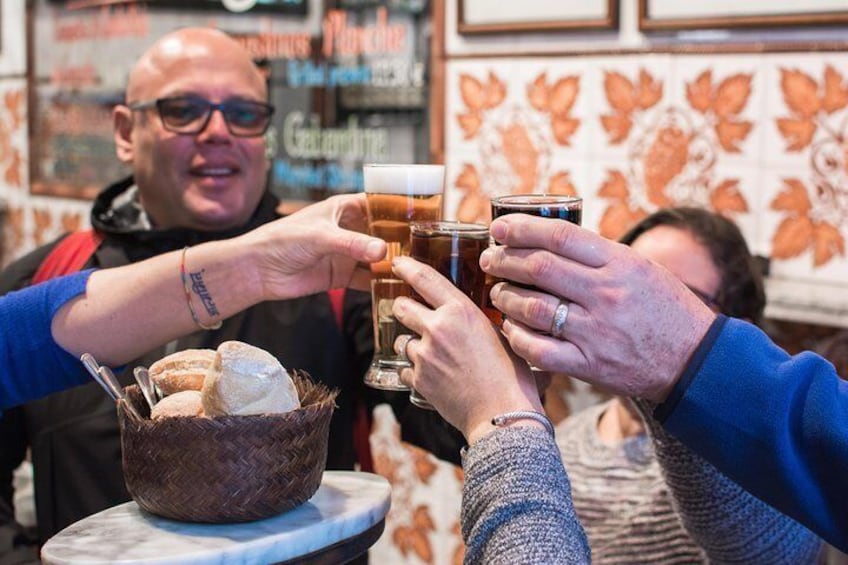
(31, 363)
(774, 423)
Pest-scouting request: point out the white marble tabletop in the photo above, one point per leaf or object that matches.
(346, 504)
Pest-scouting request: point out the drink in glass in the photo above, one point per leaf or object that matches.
(569, 208)
(559, 207)
(453, 249)
(396, 195)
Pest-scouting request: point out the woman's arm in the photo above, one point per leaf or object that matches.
(129, 310)
(516, 501)
(117, 314)
(26, 346)
(516, 504)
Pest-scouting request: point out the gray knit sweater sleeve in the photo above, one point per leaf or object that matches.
(516, 501)
(731, 525)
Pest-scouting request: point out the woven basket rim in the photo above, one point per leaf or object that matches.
(302, 380)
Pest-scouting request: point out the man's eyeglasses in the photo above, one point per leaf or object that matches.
(705, 298)
(190, 114)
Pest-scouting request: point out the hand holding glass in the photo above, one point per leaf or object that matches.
(453, 249)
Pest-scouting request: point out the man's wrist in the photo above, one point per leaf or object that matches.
(247, 266)
(681, 384)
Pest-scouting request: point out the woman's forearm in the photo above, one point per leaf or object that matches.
(129, 310)
(132, 309)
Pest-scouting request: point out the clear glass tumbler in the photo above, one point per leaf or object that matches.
(453, 249)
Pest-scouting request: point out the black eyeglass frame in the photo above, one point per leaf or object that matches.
(210, 108)
(711, 301)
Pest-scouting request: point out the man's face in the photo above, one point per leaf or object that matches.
(684, 256)
(211, 180)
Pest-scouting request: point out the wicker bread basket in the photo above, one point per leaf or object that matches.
(229, 468)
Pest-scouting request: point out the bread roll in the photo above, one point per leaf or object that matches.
(246, 380)
(185, 403)
(183, 370)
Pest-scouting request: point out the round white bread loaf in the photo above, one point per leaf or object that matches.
(184, 403)
(183, 370)
(245, 380)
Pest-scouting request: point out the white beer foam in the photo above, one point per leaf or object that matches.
(404, 179)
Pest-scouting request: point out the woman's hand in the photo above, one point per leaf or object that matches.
(317, 248)
(461, 365)
(631, 325)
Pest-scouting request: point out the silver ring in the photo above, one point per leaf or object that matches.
(560, 317)
(408, 338)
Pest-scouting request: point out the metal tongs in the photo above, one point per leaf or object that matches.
(106, 379)
(148, 387)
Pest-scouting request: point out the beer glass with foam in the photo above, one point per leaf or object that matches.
(453, 249)
(396, 195)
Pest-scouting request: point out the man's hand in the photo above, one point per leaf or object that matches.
(631, 325)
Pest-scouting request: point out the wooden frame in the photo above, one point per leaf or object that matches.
(470, 22)
(778, 14)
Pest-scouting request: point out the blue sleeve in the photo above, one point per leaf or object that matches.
(32, 364)
(774, 423)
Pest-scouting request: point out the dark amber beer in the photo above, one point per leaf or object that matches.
(453, 249)
(557, 207)
(568, 208)
(395, 196)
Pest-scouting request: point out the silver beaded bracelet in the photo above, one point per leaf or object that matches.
(524, 415)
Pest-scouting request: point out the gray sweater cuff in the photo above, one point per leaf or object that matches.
(516, 505)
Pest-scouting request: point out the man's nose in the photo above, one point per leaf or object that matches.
(216, 127)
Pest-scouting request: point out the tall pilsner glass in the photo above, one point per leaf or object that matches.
(396, 195)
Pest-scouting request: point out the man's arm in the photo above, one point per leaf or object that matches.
(775, 424)
(726, 521)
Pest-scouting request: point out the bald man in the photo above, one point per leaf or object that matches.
(209, 173)
(191, 128)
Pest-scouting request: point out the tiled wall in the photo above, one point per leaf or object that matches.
(30, 220)
(758, 137)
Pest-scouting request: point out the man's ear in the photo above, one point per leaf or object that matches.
(122, 123)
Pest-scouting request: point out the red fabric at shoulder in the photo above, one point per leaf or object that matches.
(69, 255)
(336, 296)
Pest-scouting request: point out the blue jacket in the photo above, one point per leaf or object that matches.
(774, 423)
(28, 355)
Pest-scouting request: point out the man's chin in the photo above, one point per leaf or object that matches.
(219, 209)
(217, 217)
